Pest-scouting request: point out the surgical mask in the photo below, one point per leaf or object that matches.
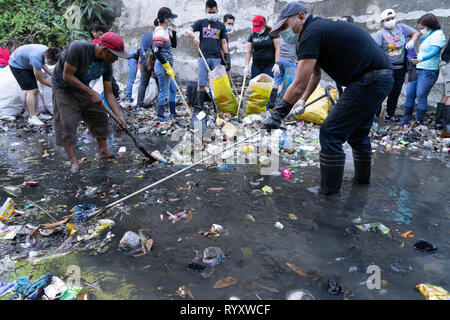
(262, 30)
(390, 24)
(425, 32)
(170, 24)
(211, 16)
(289, 36)
(229, 29)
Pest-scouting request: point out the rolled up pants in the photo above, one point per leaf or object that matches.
(351, 119)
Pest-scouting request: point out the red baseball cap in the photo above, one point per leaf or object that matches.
(114, 43)
(258, 23)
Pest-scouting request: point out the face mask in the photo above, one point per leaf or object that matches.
(425, 32)
(170, 24)
(229, 29)
(390, 24)
(289, 36)
(211, 17)
(262, 31)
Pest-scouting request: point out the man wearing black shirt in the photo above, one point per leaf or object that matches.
(352, 58)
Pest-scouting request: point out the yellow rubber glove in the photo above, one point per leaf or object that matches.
(169, 70)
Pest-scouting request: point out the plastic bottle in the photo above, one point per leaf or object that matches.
(158, 156)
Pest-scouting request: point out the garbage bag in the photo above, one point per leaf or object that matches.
(318, 112)
(45, 102)
(222, 93)
(151, 93)
(258, 94)
(12, 97)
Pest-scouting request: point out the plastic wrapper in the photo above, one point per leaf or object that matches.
(258, 94)
(222, 93)
(318, 112)
(433, 292)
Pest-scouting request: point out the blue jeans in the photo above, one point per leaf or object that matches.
(2, 66)
(257, 70)
(203, 71)
(284, 65)
(132, 70)
(420, 89)
(166, 86)
(352, 117)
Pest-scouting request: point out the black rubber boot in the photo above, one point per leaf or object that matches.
(274, 122)
(332, 173)
(440, 116)
(363, 162)
(447, 118)
(201, 96)
(272, 99)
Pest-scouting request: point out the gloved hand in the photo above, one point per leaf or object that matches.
(276, 69)
(274, 122)
(227, 62)
(416, 61)
(169, 70)
(298, 109)
(409, 45)
(246, 70)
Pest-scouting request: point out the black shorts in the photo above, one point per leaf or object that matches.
(25, 78)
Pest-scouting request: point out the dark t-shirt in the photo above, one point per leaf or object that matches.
(446, 54)
(343, 50)
(263, 48)
(211, 35)
(81, 54)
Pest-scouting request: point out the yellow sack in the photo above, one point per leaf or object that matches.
(222, 93)
(258, 94)
(318, 111)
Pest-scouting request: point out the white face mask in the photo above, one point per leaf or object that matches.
(390, 24)
(262, 30)
(425, 32)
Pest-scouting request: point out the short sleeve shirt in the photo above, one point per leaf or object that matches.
(28, 57)
(263, 48)
(211, 35)
(343, 50)
(437, 38)
(393, 43)
(81, 55)
(288, 51)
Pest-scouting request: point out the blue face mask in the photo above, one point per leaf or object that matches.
(229, 29)
(289, 36)
(212, 16)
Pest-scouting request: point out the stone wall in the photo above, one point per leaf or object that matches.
(135, 17)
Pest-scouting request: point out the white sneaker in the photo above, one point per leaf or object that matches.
(44, 117)
(34, 121)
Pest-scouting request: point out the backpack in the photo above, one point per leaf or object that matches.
(150, 60)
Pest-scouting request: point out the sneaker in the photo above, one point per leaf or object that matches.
(44, 117)
(393, 118)
(34, 121)
(129, 101)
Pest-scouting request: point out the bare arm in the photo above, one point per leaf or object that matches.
(313, 83)
(111, 100)
(415, 36)
(69, 77)
(249, 53)
(297, 90)
(47, 69)
(277, 44)
(225, 46)
(40, 76)
(190, 32)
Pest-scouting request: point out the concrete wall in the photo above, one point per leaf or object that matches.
(135, 17)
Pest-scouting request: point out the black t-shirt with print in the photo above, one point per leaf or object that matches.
(211, 35)
(343, 50)
(81, 54)
(263, 48)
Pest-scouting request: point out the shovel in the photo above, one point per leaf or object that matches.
(138, 145)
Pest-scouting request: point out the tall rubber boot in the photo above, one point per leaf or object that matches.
(195, 122)
(332, 173)
(440, 116)
(363, 163)
(420, 116)
(407, 116)
(173, 111)
(280, 112)
(201, 96)
(272, 99)
(160, 114)
(447, 118)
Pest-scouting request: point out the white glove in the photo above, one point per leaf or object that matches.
(298, 109)
(409, 45)
(246, 70)
(276, 69)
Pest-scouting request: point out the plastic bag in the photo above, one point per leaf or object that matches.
(258, 94)
(318, 111)
(433, 292)
(222, 93)
(289, 76)
(12, 97)
(45, 102)
(151, 93)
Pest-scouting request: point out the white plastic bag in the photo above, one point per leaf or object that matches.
(151, 93)
(12, 97)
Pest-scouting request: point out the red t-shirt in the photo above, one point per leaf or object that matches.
(4, 56)
(96, 41)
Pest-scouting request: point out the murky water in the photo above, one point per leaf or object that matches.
(322, 242)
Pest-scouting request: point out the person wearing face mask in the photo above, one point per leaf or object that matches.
(443, 108)
(393, 39)
(228, 21)
(212, 40)
(162, 47)
(348, 54)
(427, 64)
(265, 51)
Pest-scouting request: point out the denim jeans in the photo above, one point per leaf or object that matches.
(420, 89)
(132, 71)
(203, 75)
(166, 86)
(145, 79)
(352, 117)
(284, 64)
(257, 70)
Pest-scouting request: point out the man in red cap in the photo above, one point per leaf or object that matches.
(74, 100)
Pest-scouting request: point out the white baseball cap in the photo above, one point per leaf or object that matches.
(388, 13)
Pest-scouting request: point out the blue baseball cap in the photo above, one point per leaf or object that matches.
(289, 10)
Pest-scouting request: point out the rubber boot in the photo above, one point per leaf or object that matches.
(447, 118)
(407, 116)
(272, 99)
(160, 114)
(173, 112)
(195, 122)
(440, 116)
(363, 162)
(420, 116)
(280, 112)
(332, 173)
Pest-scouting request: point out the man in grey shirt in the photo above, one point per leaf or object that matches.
(392, 38)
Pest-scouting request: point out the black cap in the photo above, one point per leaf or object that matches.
(165, 13)
(96, 27)
(289, 10)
